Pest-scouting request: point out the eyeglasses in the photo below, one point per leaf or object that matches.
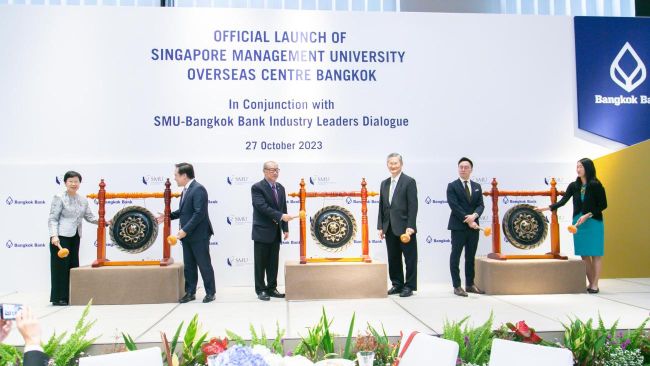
(273, 170)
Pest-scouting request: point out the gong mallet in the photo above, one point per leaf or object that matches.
(405, 238)
(172, 240)
(573, 228)
(302, 214)
(486, 230)
(63, 252)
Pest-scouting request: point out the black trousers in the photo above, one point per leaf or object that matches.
(60, 267)
(396, 249)
(460, 239)
(197, 253)
(266, 262)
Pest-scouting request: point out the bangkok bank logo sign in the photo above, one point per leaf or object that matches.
(10, 201)
(431, 240)
(636, 77)
(320, 180)
(238, 180)
(434, 201)
(237, 220)
(153, 180)
(11, 244)
(518, 201)
(234, 261)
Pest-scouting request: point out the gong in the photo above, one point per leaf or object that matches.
(524, 227)
(134, 229)
(334, 228)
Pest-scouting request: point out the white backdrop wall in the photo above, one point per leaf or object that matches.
(80, 91)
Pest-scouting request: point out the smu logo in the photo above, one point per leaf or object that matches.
(237, 220)
(630, 81)
(559, 181)
(237, 180)
(238, 261)
(153, 180)
(320, 180)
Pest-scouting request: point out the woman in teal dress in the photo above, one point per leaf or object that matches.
(589, 201)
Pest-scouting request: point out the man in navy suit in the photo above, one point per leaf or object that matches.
(465, 199)
(398, 210)
(270, 220)
(194, 232)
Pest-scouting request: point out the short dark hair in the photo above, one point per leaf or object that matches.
(186, 168)
(467, 160)
(71, 174)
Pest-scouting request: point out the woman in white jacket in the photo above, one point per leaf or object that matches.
(66, 214)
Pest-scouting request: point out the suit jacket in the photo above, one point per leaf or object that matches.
(35, 358)
(460, 206)
(403, 211)
(267, 214)
(193, 213)
(595, 199)
(67, 214)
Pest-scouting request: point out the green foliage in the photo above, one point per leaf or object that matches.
(65, 353)
(129, 343)
(319, 342)
(385, 353)
(586, 343)
(474, 343)
(348, 340)
(192, 342)
(277, 346)
(9, 355)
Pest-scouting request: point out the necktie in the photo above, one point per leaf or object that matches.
(183, 196)
(467, 192)
(391, 191)
(275, 194)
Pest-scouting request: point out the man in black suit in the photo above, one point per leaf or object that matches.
(398, 210)
(270, 220)
(195, 232)
(465, 199)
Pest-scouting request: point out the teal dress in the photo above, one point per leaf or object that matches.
(590, 238)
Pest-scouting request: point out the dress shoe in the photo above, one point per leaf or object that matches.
(475, 290)
(263, 296)
(60, 303)
(208, 298)
(458, 291)
(406, 292)
(593, 290)
(275, 293)
(187, 298)
(394, 290)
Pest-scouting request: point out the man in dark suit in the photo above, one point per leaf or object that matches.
(465, 199)
(270, 220)
(398, 210)
(195, 232)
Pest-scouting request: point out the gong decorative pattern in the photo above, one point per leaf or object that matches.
(334, 228)
(134, 229)
(524, 227)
